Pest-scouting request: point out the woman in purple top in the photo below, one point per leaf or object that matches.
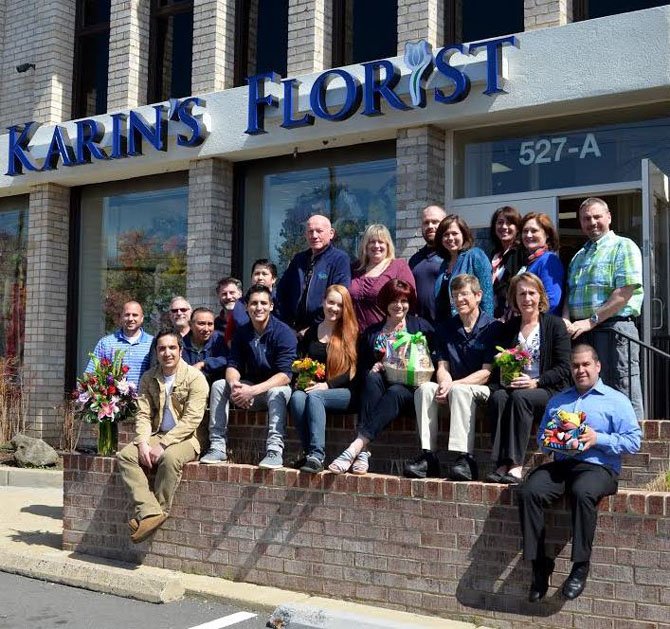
(376, 265)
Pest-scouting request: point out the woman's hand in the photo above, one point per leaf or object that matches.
(377, 367)
(316, 386)
(524, 381)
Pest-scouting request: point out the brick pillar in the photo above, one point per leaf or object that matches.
(210, 228)
(53, 58)
(128, 54)
(213, 45)
(310, 26)
(546, 13)
(420, 19)
(46, 307)
(420, 168)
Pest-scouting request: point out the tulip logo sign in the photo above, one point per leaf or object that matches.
(419, 58)
(381, 80)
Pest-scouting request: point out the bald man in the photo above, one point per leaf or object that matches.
(426, 262)
(131, 339)
(302, 288)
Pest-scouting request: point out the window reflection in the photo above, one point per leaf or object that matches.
(133, 246)
(13, 252)
(353, 195)
(595, 155)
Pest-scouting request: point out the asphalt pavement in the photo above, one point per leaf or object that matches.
(31, 528)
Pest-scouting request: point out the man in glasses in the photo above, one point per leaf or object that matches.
(130, 339)
(180, 315)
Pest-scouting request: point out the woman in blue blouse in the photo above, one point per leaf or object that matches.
(454, 242)
(540, 239)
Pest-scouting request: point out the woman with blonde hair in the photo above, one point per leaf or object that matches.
(332, 342)
(376, 265)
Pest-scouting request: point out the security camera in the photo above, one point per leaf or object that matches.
(24, 67)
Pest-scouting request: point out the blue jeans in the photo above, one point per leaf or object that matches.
(308, 411)
(274, 400)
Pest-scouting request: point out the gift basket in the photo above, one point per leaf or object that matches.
(407, 359)
(565, 429)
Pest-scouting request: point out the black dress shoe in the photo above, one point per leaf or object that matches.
(509, 479)
(576, 582)
(542, 569)
(426, 465)
(464, 469)
(494, 477)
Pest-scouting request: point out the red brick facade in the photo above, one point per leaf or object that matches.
(425, 546)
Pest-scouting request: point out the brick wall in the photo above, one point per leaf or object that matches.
(546, 13)
(309, 36)
(424, 546)
(213, 44)
(420, 19)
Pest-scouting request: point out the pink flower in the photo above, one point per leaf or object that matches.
(108, 409)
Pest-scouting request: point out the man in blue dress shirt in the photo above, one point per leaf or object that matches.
(589, 475)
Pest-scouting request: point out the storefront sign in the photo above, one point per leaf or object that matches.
(381, 77)
(128, 132)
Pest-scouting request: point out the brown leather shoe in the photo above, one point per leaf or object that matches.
(133, 524)
(146, 527)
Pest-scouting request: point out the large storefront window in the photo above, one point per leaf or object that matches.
(133, 246)
(475, 20)
(587, 156)
(13, 250)
(352, 188)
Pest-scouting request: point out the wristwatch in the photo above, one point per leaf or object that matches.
(594, 318)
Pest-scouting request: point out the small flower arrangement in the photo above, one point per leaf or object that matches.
(105, 397)
(511, 362)
(309, 371)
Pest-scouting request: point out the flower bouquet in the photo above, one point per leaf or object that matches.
(564, 431)
(309, 371)
(407, 359)
(104, 396)
(511, 363)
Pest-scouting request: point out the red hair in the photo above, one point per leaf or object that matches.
(341, 352)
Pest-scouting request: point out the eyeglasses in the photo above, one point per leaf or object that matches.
(176, 310)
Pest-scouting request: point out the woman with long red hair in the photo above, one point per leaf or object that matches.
(332, 342)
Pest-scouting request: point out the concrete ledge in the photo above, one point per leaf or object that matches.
(91, 573)
(23, 477)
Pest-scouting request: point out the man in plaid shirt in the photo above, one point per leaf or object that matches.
(605, 293)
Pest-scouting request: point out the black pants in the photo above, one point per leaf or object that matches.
(511, 414)
(381, 403)
(587, 483)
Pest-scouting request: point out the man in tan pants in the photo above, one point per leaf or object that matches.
(171, 405)
(465, 350)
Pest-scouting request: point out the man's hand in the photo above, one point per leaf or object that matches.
(144, 455)
(442, 393)
(156, 453)
(589, 438)
(578, 328)
(242, 394)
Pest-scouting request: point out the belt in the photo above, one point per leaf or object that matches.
(615, 319)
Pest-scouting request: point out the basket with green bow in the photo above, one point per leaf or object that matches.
(407, 359)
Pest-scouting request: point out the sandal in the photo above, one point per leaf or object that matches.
(361, 463)
(342, 463)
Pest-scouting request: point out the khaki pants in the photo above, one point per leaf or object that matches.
(463, 400)
(168, 475)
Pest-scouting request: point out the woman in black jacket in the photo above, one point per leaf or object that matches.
(507, 258)
(381, 401)
(513, 407)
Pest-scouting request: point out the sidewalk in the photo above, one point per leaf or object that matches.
(31, 527)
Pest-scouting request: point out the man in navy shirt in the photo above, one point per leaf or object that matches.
(204, 347)
(257, 377)
(466, 346)
(301, 289)
(613, 430)
(233, 311)
(426, 263)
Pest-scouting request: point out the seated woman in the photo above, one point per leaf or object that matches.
(455, 243)
(512, 408)
(507, 256)
(376, 265)
(333, 343)
(381, 401)
(540, 239)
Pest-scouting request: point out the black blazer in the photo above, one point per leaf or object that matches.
(554, 352)
(513, 260)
